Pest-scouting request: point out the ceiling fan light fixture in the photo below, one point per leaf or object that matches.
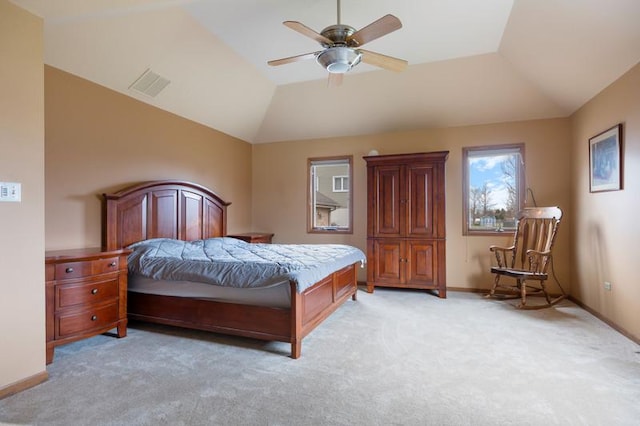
(342, 44)
(339, 59)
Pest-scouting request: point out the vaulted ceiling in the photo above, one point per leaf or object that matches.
(470, 62)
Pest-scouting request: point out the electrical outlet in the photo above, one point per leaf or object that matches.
(607, 285)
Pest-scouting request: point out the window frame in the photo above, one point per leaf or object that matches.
(341, 159)
(342, 179)
(520, 184)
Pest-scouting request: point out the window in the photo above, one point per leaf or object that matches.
(340, 183)
(494, 188)
(329, 206)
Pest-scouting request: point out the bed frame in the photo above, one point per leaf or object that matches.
(188, 211)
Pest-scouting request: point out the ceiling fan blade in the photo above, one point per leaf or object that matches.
(306, 31)
(291, 59)
(335, 79)
(383, 61)
(374, 30)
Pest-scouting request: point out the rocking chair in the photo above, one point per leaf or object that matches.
(529, 258)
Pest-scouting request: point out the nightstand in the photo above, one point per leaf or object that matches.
(86, 294)
(254, 237)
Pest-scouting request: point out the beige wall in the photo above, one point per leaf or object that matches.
(279, 186)
(22, 340)
(98, 140)
(606, 225)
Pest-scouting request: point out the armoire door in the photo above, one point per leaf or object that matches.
(389, 264)
(388, 215)
(422, 261)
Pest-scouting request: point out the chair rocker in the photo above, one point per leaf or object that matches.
(528, 259)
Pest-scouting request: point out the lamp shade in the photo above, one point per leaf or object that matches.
(339, 59)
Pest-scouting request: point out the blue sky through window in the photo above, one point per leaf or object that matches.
(488, 169)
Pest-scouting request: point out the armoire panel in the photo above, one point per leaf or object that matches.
(420, 201)
(389, 199)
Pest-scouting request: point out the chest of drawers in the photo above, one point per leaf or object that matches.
(86, 294)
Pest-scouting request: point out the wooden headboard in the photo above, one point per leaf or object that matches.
(163, 209)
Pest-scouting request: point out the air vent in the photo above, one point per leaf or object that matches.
(149, 83)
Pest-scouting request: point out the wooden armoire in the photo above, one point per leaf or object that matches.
(406, 232)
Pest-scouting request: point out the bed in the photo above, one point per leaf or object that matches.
(169, 210)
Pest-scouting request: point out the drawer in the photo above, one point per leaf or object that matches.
(103, 266)
(84, 321)
(86, 293)
(85, 268)
(73, 270)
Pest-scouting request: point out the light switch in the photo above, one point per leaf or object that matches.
(11, 192)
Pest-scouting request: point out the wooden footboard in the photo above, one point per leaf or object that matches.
(317, 302)
(308, 310)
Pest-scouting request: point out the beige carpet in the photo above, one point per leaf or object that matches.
(391, 358)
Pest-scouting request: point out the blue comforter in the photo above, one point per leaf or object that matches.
(232, 262)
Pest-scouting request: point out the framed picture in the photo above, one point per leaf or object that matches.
(605, 160)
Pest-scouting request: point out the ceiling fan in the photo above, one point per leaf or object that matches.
(342, 44)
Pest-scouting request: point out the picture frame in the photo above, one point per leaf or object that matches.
(606, 160)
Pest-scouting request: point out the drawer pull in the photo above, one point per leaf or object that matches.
(94, 291)
(68, 270)
(112, 264)
(94, 318)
